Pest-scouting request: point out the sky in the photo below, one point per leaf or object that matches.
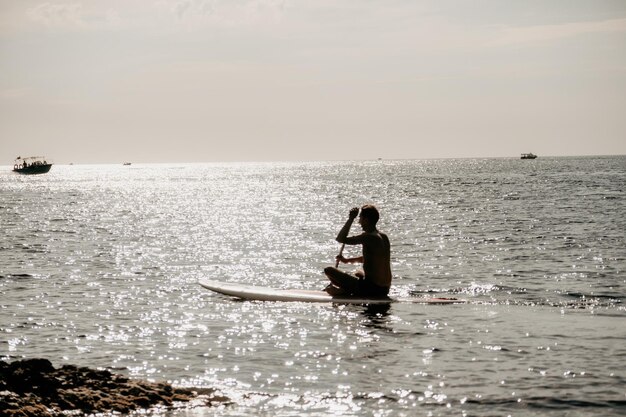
(279, 80)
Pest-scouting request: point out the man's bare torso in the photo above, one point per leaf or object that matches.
(376, 258)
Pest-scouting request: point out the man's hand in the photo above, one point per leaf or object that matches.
(354, 212)
(341, 259)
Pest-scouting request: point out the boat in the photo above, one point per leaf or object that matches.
(528, 156)
(126, 163)
(31, 165)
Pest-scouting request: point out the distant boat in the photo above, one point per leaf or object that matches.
(31, 165)
(528, 156)
(126, 163)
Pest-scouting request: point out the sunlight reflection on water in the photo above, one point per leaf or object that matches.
(99, 267)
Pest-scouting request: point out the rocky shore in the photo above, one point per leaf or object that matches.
(34, 387)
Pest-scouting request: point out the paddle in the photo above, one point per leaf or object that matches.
(340, 253)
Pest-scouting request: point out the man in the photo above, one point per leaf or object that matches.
(375, 279)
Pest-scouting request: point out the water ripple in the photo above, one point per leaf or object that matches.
(99, 267)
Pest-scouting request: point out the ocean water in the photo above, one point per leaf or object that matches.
(99, 267)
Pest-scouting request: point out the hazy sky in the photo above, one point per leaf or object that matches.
(252, 80)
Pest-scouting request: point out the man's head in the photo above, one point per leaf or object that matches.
(370, 214)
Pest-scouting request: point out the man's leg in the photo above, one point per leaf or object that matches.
(343, 283)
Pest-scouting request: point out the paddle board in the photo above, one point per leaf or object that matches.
(251, 292)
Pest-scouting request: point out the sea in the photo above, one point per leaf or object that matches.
(99, 267)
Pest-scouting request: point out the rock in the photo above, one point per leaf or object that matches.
(29, 376)
(33, 387)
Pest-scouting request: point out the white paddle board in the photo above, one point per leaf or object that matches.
(251, 292)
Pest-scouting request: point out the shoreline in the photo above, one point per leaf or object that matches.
(33, 387)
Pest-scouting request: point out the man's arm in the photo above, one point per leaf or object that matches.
(357, 260)
(342, 237)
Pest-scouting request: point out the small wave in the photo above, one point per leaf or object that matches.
(540, 302)
(587, 303)
(17, 276)
(35, 248)
(591, 296)
(550, 403)
(68, 232)
(483, 293)
(474, 289)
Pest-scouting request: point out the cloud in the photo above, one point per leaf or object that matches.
(200, 13)
(14, 93)
(68, 14)
(543, 33)
(78, 17)
(189, 8)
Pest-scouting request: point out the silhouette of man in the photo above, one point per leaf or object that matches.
(375, 279)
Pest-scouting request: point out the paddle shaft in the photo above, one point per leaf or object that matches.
(340, 253)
